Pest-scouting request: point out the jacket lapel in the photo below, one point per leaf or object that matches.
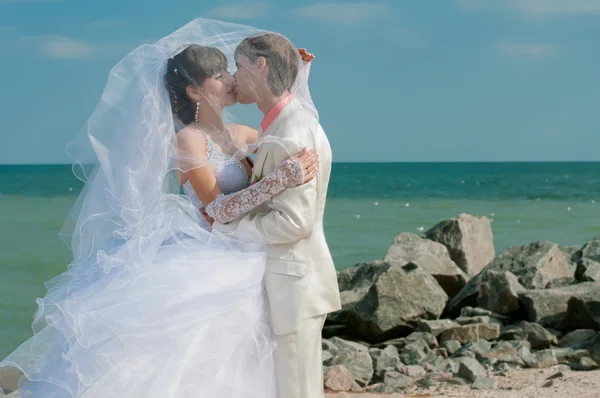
(263, 151)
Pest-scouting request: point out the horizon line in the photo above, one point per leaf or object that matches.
(369, 162)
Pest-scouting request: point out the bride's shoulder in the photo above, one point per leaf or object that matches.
(191, 138)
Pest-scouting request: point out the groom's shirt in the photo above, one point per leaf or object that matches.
(274, 112)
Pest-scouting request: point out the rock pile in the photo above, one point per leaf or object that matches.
(442, 308)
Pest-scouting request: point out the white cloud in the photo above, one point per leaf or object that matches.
(527, 50)
(345, 13)
(6, 29)
(61, 47)
(534, 7)
(244, 10)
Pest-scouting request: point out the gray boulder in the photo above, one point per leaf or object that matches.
(382, 300)
(499, 292)
(469, 240)
(548, 307)
(356, 358)
(431, 256)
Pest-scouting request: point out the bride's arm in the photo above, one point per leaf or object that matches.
(291, 173)
(195, 166)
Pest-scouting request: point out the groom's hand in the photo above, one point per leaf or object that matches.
(306, 56)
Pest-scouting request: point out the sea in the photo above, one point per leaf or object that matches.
(368, 205)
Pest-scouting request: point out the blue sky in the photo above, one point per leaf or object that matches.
(454, 80)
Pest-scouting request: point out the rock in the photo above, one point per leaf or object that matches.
(470, 312)
(480, 348)
(378, 387)
(502, 369)
(539, 337)
(469, 241)
(451, 346)
(504, 352)
(440, 376)
(577, 338)
(489, 364)
(469, 369)
(414, 371)
(385, 360)
(414, 353)
(458, 381)
(448, 366)
(561, 282)
(327, 345)
(538, 360)
(548, 384)
(483, 383)
(544, 359)
(557, 333)
(384, 300)
(327, 357)
(338, 378)
(355, 358)
(499, 292)
(593, 347)
(573, 254)
(471, 333)
(563, 368)
(534, 264)
(395, 381)
(330, 331)
(467, 297)
(428, 382)
(399, 343)
(431, 256)
(588, 267)
(435, 327)
(583, 365)
(463, 320)
(442, 352)
(557, 375)
(567, 355)
(583, 311)
(428, 338)
(548, 307)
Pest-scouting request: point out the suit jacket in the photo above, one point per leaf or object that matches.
(301, 281)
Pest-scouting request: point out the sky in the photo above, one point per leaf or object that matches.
(397, 81)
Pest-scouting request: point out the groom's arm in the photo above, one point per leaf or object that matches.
(293, 210)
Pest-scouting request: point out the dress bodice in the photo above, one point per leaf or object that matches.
(230, 173)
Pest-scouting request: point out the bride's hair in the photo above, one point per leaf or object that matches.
(191, 67)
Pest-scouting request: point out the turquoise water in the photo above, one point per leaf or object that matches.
(368, 205)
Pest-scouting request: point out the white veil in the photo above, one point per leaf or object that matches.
(129, 211)
(127, 152)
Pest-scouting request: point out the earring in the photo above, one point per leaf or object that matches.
(197, 110)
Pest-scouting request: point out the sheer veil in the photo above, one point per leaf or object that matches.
(127, 152)
(129, 217)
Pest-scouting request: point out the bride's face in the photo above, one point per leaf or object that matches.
(219, 89)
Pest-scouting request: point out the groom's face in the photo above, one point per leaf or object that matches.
(246, 78)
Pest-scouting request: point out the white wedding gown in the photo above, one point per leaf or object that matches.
(190, 322)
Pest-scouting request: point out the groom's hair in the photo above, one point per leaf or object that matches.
(281, 55)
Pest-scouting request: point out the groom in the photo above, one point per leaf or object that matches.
(300, 279)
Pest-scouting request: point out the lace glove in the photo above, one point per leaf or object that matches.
(227, 208)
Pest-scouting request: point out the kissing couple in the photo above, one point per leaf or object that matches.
(200, 266)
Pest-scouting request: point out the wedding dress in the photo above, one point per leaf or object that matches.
(153, 304)
(190, 323)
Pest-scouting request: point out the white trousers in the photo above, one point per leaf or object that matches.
(298, 361)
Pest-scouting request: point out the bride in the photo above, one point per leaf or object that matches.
(154, 303)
